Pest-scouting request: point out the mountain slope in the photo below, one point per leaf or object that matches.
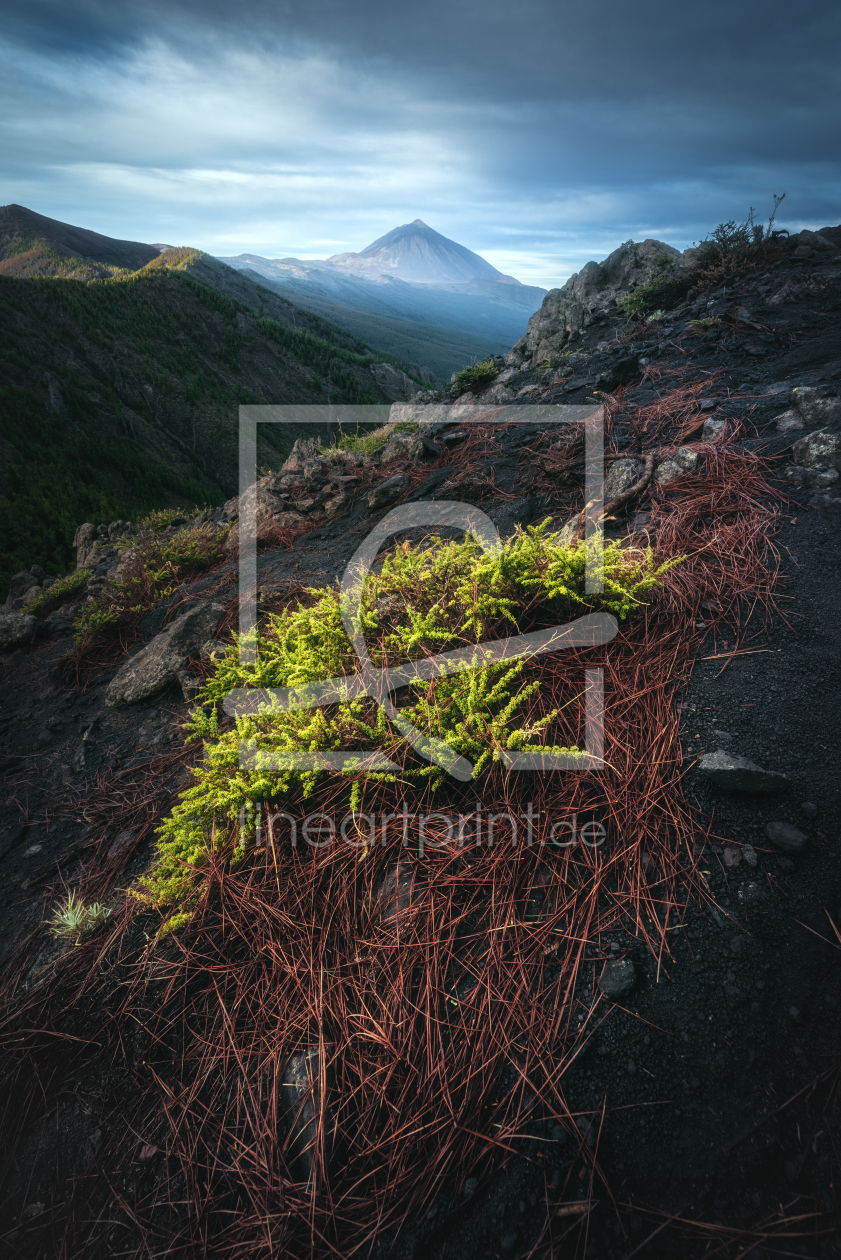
(122, 395)
(494, 312)
(31, 244)
(441, 350)
(418, 253)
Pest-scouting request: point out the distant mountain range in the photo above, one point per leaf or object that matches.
(411, 276)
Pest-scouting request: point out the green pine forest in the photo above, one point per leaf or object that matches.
(119, 395)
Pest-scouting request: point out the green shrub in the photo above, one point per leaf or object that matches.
(730, 251)
(153, 568)
(57, 594)
(368, 443)
(422, 602)
(477, 374)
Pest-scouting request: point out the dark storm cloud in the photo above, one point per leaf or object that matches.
(544, 132)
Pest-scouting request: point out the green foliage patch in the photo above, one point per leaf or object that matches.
(57, 594)
(74, 920)
(424, 601)
(154, 567)
(368, 443)
(477, 374)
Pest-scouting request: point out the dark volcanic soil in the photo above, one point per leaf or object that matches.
(713, 1091)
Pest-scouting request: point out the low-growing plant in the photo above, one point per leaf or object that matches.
(161, 518)
(368, 443)
(153, 568)
(57, 594)
(701, 325)
(731, 250)
(477, 374)
(74, 920)
(423, 601)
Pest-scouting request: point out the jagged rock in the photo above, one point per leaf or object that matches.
(598, 286)
(618, 979)
(818, 450)
(403, 446)
(211, 647)
(84, 540)
(713, 428)
(396, 385)
(16, 630)
(516, 512)
(785, 837)
(826, 503)
(58, 622)
(157, 665)
(424, 414)
(667, 472)
(190, 685)
(18, 587)
(388, 491)
(737, 774)
(789, 422)
(302, 453)
(623, 474)
(816, 404)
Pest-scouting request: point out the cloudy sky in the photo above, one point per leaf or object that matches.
(540, 134)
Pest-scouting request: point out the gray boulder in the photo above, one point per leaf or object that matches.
(403, 446)
(790, 421)
(388, 491)
(18, 587)
(816, 404)
(713, 428)
(598, 286)
(158, 665)
(668, 471)
(16, 629)
(618, 979)
(687, 459)
(783, 836)
(818, 450)
(737, 774)
(623, 474)
(302, 454)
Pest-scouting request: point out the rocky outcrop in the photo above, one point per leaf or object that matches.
(16, 630)
(395, 385)
(591, 296)
(159, 664)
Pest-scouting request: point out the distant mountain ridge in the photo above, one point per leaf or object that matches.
(24, 235)
(417, 253)
(415, 274)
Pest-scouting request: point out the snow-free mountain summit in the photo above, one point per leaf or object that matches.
(418, 253)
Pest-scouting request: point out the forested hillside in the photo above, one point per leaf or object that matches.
(119, 395)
